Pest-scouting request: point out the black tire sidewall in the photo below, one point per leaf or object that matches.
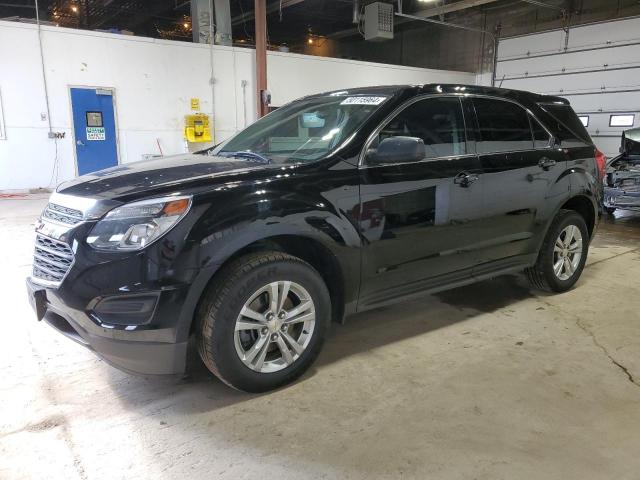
(229, 364)
(566, 219)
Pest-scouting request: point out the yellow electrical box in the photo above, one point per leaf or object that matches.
(196, 128)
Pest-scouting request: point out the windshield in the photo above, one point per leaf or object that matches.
(302, 131)
(632, 147)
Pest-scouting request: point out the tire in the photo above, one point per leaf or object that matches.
(543, 275)
(248, 359)
(610, 210)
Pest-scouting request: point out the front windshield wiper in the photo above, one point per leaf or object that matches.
(245, 155)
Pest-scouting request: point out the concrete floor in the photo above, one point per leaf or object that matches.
(492, 381)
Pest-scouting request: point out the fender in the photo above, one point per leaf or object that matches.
(258, 215)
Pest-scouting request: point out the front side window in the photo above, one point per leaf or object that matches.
(503, 126)
(302, 131)
(438, 122)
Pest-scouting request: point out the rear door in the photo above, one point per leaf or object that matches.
(418, 218)
(519, 169)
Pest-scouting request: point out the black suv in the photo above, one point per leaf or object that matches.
(333, 204)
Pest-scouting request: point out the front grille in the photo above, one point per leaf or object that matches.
(52, 259)
(60, 214)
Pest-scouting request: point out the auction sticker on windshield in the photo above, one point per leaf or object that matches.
(363, 101)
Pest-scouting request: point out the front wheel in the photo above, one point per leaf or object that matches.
(263, 320)
(563, 254)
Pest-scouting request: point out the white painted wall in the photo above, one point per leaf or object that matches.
(599, 72)
(154, 81)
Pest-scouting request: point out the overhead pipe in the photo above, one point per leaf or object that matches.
(223, 22)
(356, 12)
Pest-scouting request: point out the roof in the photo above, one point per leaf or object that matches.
(436, 88)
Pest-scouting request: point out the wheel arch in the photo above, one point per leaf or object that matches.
(312, 251)
(583, 205)
(306, 247)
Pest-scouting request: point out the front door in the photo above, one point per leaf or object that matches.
(94, 129)
(418, 215)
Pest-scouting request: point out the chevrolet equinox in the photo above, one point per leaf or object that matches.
(333, 204)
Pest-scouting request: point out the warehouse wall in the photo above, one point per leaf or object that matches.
(599, 72)
(154, 81)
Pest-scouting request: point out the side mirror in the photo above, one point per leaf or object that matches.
(555, 142)
(397, 150)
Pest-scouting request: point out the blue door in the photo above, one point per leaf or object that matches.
(95, 129)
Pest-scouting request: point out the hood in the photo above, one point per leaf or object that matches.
(158, 176)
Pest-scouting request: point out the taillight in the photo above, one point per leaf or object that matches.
(601, 162)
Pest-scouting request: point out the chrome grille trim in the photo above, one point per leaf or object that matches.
(61, 214)
(52, 260)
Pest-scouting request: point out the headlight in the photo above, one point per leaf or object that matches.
(135, 225)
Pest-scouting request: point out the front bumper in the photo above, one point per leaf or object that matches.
(145, 351)
(619, 198)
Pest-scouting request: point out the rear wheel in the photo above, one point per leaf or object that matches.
(263, 320)
(563, 254)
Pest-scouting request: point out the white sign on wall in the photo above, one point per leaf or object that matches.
(95, 133)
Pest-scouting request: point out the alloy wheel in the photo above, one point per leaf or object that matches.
(275, 326)
(567, 252)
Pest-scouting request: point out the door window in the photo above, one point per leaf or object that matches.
(438, 122)
(503, 126)
(94, 119)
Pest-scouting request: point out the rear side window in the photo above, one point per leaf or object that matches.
(541, 138)
(567, 126)
(503, 126)
(437, 121)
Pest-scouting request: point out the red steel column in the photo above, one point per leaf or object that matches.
(261, 54)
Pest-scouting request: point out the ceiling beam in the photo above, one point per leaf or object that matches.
(451, 7)
(542, 4)
(426, 13)
(274, 7)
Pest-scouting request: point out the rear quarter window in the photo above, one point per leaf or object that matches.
(567, 127)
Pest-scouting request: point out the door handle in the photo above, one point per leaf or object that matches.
(465, 179)
(546, 163)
